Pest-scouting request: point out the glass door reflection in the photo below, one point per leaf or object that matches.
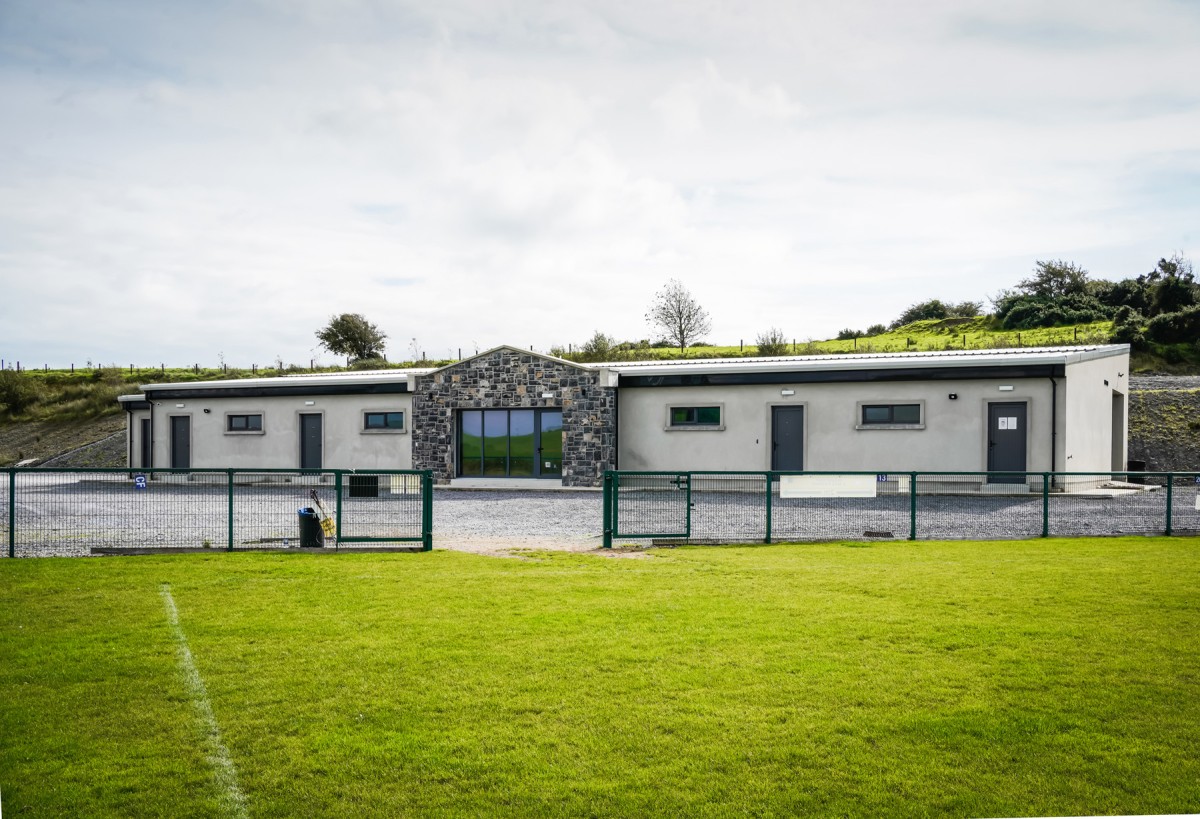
(550, 444)
(517, 443)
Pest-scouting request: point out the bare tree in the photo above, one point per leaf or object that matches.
(678, 316)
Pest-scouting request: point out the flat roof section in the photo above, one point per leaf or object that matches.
(873, 361)
(1025, 362)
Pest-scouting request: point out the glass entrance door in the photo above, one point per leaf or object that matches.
(518, 443)
(522, 444)
(550, 444)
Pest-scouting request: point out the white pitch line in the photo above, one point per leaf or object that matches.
(231, 797)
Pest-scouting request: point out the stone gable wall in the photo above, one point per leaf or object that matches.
(508, 379)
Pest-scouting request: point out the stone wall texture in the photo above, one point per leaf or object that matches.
(511, 379)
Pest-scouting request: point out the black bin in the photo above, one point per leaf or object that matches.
(364, 486)
(1135, 466)
(311, 536)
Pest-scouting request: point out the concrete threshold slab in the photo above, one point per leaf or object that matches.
(1004, 489)
(515, 484)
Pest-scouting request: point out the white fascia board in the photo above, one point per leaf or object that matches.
(314, 380)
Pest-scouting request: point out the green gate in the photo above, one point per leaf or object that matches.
(647, 505)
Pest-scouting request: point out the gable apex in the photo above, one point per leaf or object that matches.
(508, 348)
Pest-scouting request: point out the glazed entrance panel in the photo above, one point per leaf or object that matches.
(518, 443)
(550, 452)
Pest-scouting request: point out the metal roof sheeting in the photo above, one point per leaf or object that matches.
(948, 359)
(872, 361)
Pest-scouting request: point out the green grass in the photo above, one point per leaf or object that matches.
(977, 333)
(1053, 677)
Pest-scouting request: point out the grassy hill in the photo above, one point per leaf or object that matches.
(978, 333)
(921, 336)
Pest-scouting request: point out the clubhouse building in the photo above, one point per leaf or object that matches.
(513, 415)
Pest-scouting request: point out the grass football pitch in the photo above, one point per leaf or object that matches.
(1043, 677)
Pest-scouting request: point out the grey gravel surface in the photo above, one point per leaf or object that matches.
(64, 516)
(1164, 382)
(107, 453)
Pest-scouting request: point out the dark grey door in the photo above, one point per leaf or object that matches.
(787, 439)
(144, 436)
(1007, 430)
(181, 442)
(310, 441)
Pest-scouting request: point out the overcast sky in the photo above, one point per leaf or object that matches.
(181, 181)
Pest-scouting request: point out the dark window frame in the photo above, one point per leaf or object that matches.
(891, 421)
(249, 419)
(386, 417)
(693, 418)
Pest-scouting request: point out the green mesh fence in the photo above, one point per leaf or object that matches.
(742, 507)
(70, 512)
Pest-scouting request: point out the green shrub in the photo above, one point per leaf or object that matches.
(19, 392)
(599, 347)
(1023, 312)
(772, 342)
(1175, 328)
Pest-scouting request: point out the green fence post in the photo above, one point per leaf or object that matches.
(689, 506)
(616, 503)
(337, 510)
(1170, 492)
(1045, 504)
(607, 501)
(770, 480)
(426, 510)
(912, 506)
(230, 475)
(12, 512)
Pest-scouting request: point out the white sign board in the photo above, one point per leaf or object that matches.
(1007, 423)
(827, 486)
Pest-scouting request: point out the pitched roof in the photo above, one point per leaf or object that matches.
(518, 351)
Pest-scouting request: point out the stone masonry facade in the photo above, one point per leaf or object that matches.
(512, 379)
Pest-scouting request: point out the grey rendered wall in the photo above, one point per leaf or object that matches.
(345, 446)
(133, 439)
(1088, 413)
(953, 437)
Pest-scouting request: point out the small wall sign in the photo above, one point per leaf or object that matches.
(139, 481)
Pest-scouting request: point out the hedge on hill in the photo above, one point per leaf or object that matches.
(1175, 328)
(1024, 312)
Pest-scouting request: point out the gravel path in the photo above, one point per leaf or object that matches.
(497, 522)
(1164, 382)
(61, 515)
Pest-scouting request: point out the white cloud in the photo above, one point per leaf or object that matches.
(223, 178)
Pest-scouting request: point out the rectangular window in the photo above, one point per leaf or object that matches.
(891, 414)
(243, 423)
(695, 416)
(383, 420)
